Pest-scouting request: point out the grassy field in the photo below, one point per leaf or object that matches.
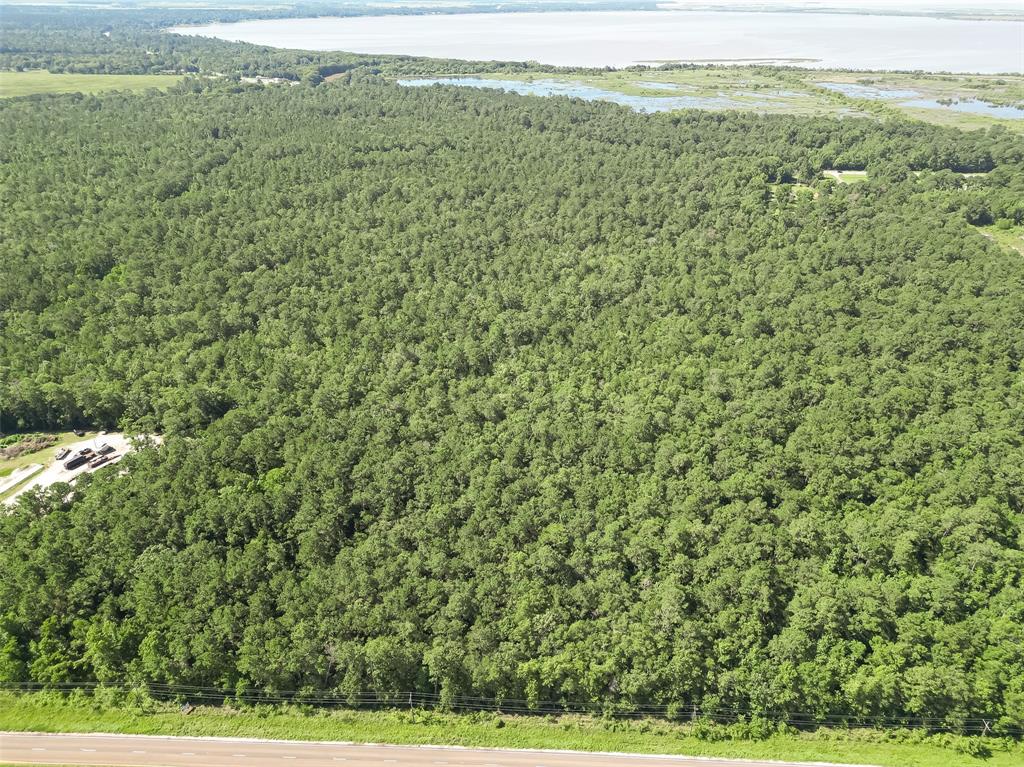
(47, 713)
(846, 176)
(1012, 238)
(39, 81)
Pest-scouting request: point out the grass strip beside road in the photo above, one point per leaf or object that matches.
(21, 483)
(42, 712)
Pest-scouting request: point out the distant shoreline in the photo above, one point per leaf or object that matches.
(619, 39)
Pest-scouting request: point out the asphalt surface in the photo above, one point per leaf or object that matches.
(18, 475)
(154, 751)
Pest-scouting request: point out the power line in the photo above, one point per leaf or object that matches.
(378, 700)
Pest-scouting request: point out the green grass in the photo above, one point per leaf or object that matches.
(847, 176)
(961, 120)
(50, 713)
(39, 81)
(44, 456)
(1012, 238)
(14, 488)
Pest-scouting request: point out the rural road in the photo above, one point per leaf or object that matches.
(18, 475)
(154, 751)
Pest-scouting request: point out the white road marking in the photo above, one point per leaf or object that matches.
(38, 749)
(138, 752)
(88, 749)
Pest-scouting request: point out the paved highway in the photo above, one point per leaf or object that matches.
(153, 751)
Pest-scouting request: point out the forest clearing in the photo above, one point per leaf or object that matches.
(41, 81)
(47, 466)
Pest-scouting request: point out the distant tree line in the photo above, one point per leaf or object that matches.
(133, 41)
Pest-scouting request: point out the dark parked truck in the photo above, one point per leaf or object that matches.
(104, 449)
(99, 460)
(82, 456)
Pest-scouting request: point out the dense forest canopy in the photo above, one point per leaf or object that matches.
(516, 397)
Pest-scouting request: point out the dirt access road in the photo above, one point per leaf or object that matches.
(146, 750)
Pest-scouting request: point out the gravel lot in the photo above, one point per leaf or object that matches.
(55, 471)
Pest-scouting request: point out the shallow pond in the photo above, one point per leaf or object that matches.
(857, 91)
(910, 98)
(659, 86)
(971, 106)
